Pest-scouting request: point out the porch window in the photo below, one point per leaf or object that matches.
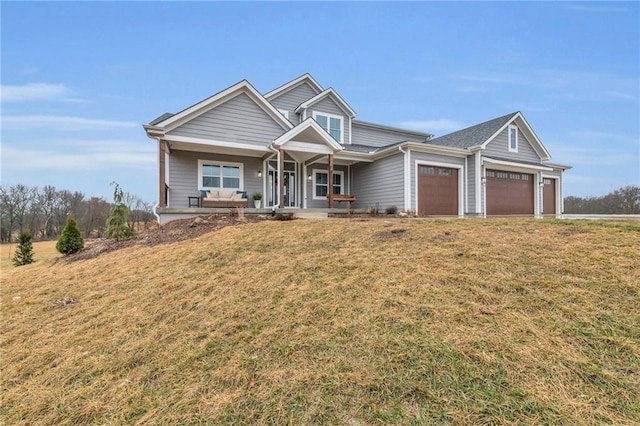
(219, 175)
(331, 123)
(513, 139)
(321, 183)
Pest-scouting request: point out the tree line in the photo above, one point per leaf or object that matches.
(625, 200)
(44, 211)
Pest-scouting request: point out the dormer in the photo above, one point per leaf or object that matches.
(331, 112)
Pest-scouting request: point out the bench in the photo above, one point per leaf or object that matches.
(338, 198)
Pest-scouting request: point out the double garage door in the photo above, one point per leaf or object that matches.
(509, 193)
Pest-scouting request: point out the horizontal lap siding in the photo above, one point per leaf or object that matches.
(323, 204)
(471, 185)
(327, 105)
(183, 174)
(426, 157)
(291, 99)
(379, 184)
(499, 147)
(363, 135)
(237, 120)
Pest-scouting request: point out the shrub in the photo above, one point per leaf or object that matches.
(117, 221)
(392, 210)
(24, 251)
(71, 240)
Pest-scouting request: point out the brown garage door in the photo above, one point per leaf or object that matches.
(549, 197)
(437, 191)
(509, 193)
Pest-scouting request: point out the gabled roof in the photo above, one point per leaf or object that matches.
(474, 135)
(294, 83)
(331, 94)
(168, 122)
(480, 135)
(308, 131)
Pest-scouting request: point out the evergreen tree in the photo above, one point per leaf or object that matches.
(117, 221)
(24, 251)
(71, 240)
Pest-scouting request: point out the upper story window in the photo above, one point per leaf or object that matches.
(218, 175)
(331, 123)
(513, 138)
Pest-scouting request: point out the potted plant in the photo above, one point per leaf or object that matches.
(257, 200)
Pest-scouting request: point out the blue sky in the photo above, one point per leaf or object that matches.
(80, 79)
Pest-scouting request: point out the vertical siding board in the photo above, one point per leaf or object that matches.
(379, 184)
(183, 174)
(237, 120)
(499, 147)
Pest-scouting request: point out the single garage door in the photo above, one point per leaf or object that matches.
(549, 197)
(437, 191)
(509, 193)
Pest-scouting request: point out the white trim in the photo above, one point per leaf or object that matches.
(284, 112)
(220, 163)
(288, 136)
(329, 117)
(466, 185)
(544, 155)
(293, 84)
(216, 143)
(350, 131)
(558, 195)
(220, 98)
(514, 166)
(509, 129)
(478, 179)
(460, 168)
(337, 99)
(329, 182)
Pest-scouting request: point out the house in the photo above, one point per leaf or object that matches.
(303, 148)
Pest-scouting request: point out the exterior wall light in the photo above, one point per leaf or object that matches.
(260, 173)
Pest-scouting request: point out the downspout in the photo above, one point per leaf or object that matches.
(407, 177)
(276, 202)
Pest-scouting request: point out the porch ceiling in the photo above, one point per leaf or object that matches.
(196, 147)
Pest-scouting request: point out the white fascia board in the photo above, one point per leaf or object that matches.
(558, 166)
(544, 155)
(209, 142)
(309, 122)
(420, 147)
(513, 166)
(336, 98)
(201, 107)
(354, 156)
(307, 147)
(294, 83)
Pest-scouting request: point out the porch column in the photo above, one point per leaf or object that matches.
(281, 179)
(162, 196)
(330, 182)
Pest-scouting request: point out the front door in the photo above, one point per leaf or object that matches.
(289, 179)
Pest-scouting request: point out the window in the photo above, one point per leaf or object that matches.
(513, 138)
(321, 183)
(218, 175)
(331, 123)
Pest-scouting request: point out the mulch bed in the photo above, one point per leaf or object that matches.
(177, 230)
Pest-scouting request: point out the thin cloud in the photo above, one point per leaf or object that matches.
(34, 91)
(438, 125)
(597, 9)
(82, 155)
(66, 123)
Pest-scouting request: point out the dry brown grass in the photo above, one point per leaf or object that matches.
(43, 251)
(334, 322)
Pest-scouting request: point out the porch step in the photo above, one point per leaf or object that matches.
(302, 214)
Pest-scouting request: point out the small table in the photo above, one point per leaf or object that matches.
(191, 201)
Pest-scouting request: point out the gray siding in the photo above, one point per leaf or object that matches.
(379, 184)
(237, 120)
(499, 148)
(471, 185)
(291, 99)
(327, 105)
(322, 204)
(183, 174)
(427, 157)
(364, 135)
